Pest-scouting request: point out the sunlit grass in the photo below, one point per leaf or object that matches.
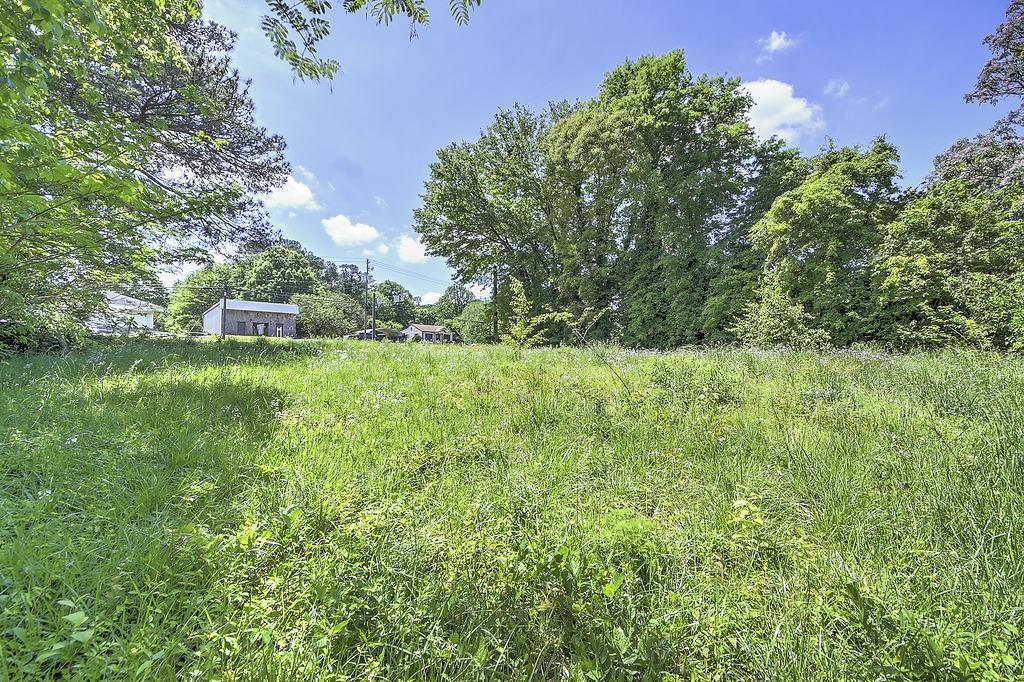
(331, 510)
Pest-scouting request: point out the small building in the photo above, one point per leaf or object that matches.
(122, 314)
(250, 318)
(431, 333)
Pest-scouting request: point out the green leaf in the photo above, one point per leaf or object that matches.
(613, 585)
(82, 636)
(76, 618)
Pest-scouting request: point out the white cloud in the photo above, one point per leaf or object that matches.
(777, 41)
(346, 233)
(294, 194)
(306, 173)
(837, 88)
(381, 249)
(777, 111)
(411, 250)
(430, 298)
(381, 202)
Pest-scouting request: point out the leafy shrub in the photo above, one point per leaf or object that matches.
(774, 319)
(41, 331)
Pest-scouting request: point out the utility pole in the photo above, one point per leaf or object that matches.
(366, 283)
(224, 312)
(373, 307)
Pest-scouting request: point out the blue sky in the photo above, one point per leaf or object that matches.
(361, 146)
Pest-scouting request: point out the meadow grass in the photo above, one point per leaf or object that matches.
(329, 510)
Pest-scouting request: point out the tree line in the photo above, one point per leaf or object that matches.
(654, 208)
(649, 214)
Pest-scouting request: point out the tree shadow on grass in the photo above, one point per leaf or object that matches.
(110, 503)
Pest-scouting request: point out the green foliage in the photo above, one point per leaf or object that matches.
(295, 29)
(395, 304)
(327, 314)
(610, 204)
(275, 274)
(126, 141)
(328, 510)
(774, 319)
(192, 296)
(950, 269)
(821, 235)
(452, 302)
(525, 329)
(474, 323)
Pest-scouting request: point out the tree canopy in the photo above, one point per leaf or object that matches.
(128, 141)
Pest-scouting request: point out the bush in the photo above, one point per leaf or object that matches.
(41, 331)
(775, 319)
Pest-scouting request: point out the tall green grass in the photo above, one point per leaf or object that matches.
(357, 510)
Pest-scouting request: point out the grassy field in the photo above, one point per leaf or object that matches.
(357, 510)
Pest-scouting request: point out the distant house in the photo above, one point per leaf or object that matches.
(250, 318)
(122, 314)
(432, 333)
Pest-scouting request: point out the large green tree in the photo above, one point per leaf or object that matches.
(612, 204)
(394, 303)
(822, 234)
(950, 269)
(126, 139)
(452, 302)
(327, 314)
(275, 275)
(195, 294)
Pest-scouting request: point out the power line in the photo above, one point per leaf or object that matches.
(408, 273)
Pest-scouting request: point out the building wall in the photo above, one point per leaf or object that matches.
(211, 321)
(248, 317)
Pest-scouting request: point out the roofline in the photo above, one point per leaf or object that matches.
(279, 312)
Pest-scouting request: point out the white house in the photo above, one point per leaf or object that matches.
(432, 333)
(122, 313)
(250, 318)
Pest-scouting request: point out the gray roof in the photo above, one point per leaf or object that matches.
(115, 300)
(430, 328)
(257, 306)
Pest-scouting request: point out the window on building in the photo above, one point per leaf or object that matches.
(278, 329)
(240, 328)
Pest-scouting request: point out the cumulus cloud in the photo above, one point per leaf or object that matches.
(344, 232)
(777, 41)
(381, 249)
(293, 194)
(777, 111)
(430, 298)
(381, 202)
(411, 250)
(837, 88)
(306, 173)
